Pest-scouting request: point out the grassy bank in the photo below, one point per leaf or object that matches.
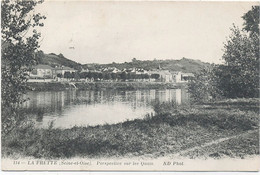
(171, 131)
(57, 86)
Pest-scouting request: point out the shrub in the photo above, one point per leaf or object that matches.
(203, 87)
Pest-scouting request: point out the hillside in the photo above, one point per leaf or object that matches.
(56, 60)
(184, 65)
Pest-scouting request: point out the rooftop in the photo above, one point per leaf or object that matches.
(64, 68)
(42, 66)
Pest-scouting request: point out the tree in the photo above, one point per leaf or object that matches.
(77, 76)
(155, 76)
(239, 76)
(241, 55)
(123, 76)
(59, 75)
(203, 87)
(67, 75)
(19, 46)
(134, 60)
(251, 19)
(114, 76)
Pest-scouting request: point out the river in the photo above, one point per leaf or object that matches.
(66, 109)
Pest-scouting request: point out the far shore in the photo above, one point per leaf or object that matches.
(103, 85)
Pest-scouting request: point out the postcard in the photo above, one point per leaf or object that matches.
(129, 86)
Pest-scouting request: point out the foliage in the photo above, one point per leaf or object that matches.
(241, 72)
(164, 108)
(251, 19)
(19, 43)
(59, 75)
(67, 75)
(155, 76)
(239, 76)
(203, 87)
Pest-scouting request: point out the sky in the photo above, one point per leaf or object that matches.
(105, 32)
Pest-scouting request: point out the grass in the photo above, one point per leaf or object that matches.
(170, 131)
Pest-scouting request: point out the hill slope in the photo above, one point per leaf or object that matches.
(184, 65)
(56, 60)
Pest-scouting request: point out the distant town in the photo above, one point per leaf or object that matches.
(57, 68)
(46, 73)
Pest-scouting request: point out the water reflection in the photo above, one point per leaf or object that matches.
(69, 108)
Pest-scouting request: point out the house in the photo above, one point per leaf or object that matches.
(180, 77)
(61, 70)
(41, 71)
(177, 77)
(165, 75)
(187, 76)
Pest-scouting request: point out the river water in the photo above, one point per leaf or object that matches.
(66, 109)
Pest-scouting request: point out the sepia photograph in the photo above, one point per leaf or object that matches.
(129, 85)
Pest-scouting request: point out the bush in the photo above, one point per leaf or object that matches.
(164, 108)
(203, 87)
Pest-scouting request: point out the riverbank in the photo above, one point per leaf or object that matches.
(221, 129)
(58, 86)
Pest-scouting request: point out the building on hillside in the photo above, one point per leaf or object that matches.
(110, 69)
(61, 70)
(180, 77)
(164, 75)
(41, 71)
(187, 76)
(177, 76)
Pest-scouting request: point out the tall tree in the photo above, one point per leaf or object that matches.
(251, 20)
(239, 76)
(19, 42)
(241, 55)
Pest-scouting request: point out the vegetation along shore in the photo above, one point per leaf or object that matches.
(58, 86)
(219, 129)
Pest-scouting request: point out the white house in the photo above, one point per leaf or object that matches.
(41, 71)
(61, 70)
(180, 77)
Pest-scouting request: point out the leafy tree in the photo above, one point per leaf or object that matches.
(76, 76)
(134, 60)
(100, 76)
(239, 76)
(123, 76)
(203, 87)
(59, 75)
(114, 76)
(82, 75)
(155, 76)
(145, 76)
(107, 76)
(251, 19)
(72, 75)
(67, 75)
(39, 57)
(128, 76)
(19, 45)
(241, 55)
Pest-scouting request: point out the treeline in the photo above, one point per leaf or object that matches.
(107, 76)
